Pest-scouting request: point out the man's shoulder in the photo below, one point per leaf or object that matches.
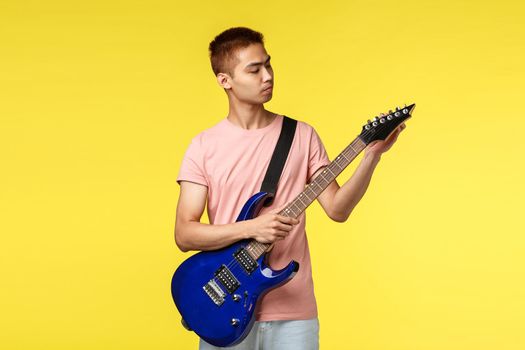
(208, 133)
(305, 127)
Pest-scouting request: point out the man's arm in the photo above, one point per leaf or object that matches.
(339, 202)
(191, 234)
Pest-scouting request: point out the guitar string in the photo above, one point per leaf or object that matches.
(235, 264)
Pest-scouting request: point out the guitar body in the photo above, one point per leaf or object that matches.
(219, 304)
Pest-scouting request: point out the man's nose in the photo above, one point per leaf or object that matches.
(266, 75)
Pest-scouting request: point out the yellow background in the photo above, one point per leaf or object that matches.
(99, 100)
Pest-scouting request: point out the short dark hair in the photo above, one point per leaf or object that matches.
(225, 45)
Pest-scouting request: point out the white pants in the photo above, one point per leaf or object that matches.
(277, 335)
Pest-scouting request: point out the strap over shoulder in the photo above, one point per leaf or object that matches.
(280, 154)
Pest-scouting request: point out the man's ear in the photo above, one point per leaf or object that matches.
(224, 80)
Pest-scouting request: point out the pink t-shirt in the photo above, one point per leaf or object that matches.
(231, 162)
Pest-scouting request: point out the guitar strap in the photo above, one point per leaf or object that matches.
(280, 154)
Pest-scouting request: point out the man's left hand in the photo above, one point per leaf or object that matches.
(378, 147)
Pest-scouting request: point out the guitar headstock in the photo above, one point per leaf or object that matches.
(381, 126)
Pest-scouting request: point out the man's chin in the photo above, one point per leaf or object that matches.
(267, 98)
(260, 100)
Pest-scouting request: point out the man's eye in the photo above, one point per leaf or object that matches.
(254, 71)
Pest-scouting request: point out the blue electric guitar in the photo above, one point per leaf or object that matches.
(217, 291)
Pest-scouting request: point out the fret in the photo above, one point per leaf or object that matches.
(321, 178)
(300, 204)
(352, 154)
(299, 198)
(315, 183)
(256, 249)
(342, 159)
(338, 167)
(293, 212)
(328, 168)
(312, 190)
(323, 174)
(311, 200)
(254, 254)
(359, 145)
(293, 203)
(259, 249)
(250, 250)
(310, 193)
(342, 155)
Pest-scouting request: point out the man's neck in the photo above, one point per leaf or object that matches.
(250, 116)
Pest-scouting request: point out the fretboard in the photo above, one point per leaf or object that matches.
(313, 190)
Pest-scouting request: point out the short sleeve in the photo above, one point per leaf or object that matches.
(317, 157)
(192, 167)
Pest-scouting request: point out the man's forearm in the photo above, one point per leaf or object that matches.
(198, 236)
(348, 195)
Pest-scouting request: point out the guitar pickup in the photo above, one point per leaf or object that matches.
(244, 258)
(227, 279)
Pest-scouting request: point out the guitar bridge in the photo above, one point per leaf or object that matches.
(215, 292)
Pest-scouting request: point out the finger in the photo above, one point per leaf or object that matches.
(283, 234)
(280, 234)
(287, 220)
(284, 227)
(391, 137)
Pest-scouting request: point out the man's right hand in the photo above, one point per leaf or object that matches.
(191, 234)
(271, 227)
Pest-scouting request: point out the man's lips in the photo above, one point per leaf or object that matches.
(269, 88)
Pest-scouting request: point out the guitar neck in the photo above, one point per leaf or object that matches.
(313, 190)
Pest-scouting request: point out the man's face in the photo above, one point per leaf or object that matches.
(253, 75)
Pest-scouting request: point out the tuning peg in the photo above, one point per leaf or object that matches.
(369, 121)
(376, 119)
(397, 109)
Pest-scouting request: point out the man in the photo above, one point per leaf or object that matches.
(225, 165)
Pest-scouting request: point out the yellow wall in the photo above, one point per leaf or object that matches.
(99, 100)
